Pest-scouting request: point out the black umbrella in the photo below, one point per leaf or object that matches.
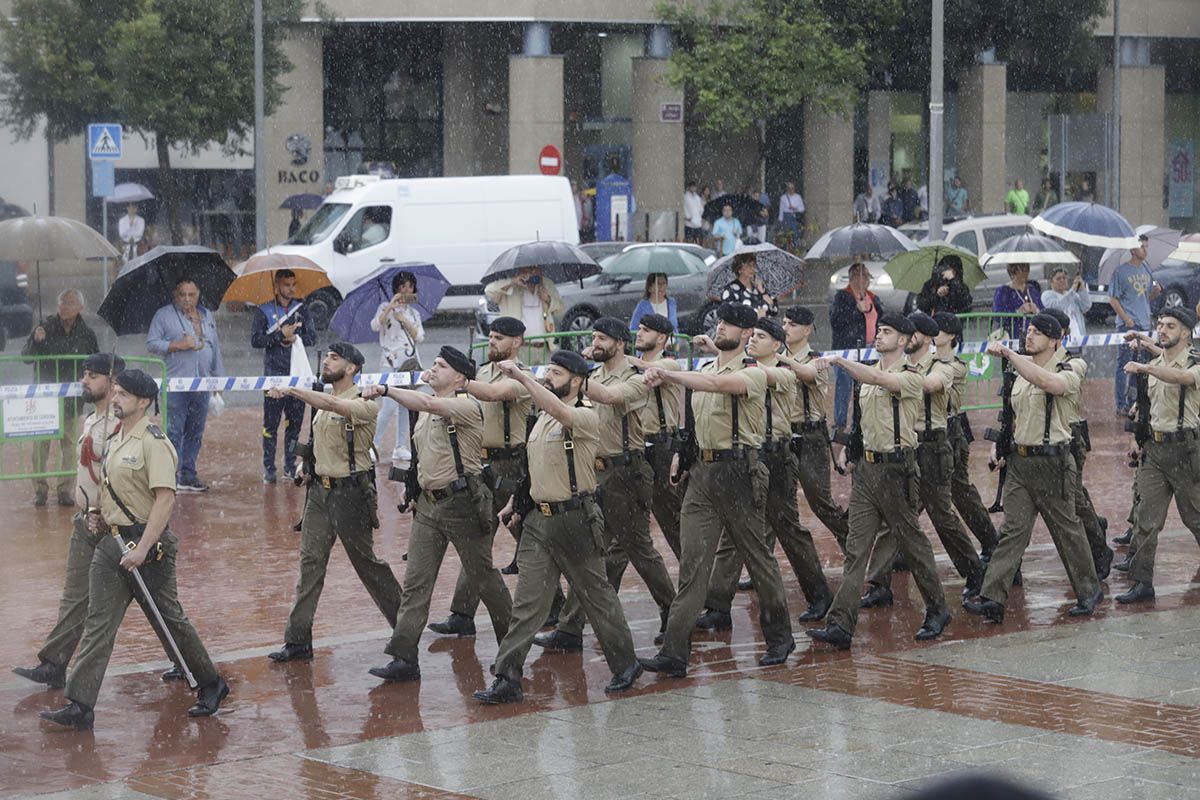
(559, 261)
(11, 211)
(746, 209)
(147, 283)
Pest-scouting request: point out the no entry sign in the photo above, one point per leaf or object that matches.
(550, 160)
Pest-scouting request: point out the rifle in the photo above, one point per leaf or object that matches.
(852, 440)
(412, 489)
(1140, 425)
(1003, 436)
(308, 456)
(689, 449)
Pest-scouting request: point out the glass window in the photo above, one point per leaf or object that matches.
(320, 224)
(967, 241)
(368, 227)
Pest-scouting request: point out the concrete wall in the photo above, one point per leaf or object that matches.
(1024, 138)
(1143, 140)
(474, 101)
(23, 180)
(1166, 18)
(535, 110)
(982, 101)
(657, 153)
(828, 171)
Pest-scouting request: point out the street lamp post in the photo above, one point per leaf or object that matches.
(260, 155)
(936, 107)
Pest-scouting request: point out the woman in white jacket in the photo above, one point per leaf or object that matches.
(398, 322)
(1073, 301)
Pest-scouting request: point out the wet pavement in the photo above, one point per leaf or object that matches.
(1102, 708)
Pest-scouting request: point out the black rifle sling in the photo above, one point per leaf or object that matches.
(662, 412)
(507, 424)
(770, 415)
(625, 434)
(349, 430)
(928, 403)
(733, 401)
(1182, 406)
(896, 421)
(569, 450)
(133, 520)
(452, 432)
(1049, 418)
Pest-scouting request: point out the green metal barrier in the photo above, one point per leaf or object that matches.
(31, 427)
(537, 349)
(983, 371)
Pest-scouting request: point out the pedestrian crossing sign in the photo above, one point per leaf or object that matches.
(104, 140)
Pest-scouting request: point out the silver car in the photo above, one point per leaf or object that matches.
(606, 295)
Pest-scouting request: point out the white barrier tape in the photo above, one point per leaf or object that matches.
(262, 383)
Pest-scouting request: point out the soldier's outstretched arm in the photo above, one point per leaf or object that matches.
(698, 381)
(1049, 382)
(543, 398)
(863, 373)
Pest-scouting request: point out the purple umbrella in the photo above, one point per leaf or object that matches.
(352, 321)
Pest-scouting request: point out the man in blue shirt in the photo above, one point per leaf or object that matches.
(1129, 294)
(727, 230)
(277, 326)
(184, 335)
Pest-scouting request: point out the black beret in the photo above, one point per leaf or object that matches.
(612, 327)
(348, 352)
(771, 328)
(507, 326)
(570, 361)
(137, 383)
(1185, 315)
(657, 323)
(738, 315)
(1047, 324)
(1059, 315)
(801, 315)
(104, 364)
(924, 323)
(948, 323)
(897, 322)
(458, 361)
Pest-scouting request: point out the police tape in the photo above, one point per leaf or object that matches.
(262, 383)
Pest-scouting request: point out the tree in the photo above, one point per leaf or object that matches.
(754, 59)
(179, 71)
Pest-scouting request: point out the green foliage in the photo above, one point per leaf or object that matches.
(754, 59)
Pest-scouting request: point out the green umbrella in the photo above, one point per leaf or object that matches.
(640, 262)
(910, 270)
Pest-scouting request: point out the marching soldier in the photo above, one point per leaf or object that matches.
(453, 508)
(660, 424)
(625, 480)
(1041, 472)
(782, 513)
(137, 495)
(1094, 526)
(506, 405)
(966, 497)
(1170, 464)
(726, 492)
(563, 531)
(342, 502)
(810, 432)
(99, 429)
(935, 464)
(886, 487)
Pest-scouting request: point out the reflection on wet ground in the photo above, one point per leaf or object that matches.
(1108, 707)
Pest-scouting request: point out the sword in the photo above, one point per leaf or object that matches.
(126, 546)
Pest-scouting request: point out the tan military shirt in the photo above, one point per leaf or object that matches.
(329, 435)
(815, 391)
(1029, 406)
(98, 434)
(1076, 402)
(1164, 397)
(783, 398)
(634, 397)
(435, 456)
(714, 410)
(670, 394)
(548, 476)
(139, 461)
(959, 387)
(493, 411)
(927, 365)
(877, 414)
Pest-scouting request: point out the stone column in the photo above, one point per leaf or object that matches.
(535, 101)
(1143, 140)
(879, 141)
(828, 185)
(657, 151)
(295, 135)
(982, 106)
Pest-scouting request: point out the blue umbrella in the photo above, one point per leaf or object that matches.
(352, 321)
(1089, 224)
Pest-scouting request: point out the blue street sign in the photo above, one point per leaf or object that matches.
(103, 178)
(104, 140)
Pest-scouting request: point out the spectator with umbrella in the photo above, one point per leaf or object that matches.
(62, 334)
(655, 301)
(528, 296)
(1019, 296)
(277, 325)
(747, 290)
(945, 290)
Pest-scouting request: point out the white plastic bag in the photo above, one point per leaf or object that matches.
(216, 404)
(301, 368)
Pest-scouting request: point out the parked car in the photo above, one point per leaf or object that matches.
(973, 234)
(16, 315)
(606, 295)
(1180, 281)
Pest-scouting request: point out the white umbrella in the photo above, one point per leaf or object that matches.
(41, 239)
(1027, 248)
(129, 193)
(860, 238)
(1160, 244)
(1189, 249)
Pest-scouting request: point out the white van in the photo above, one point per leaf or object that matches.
(458, 224)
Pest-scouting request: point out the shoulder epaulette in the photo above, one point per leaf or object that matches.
(749, 362)
(585, 402)
(155, 431)
(1065, 366)
(909, 368)
(871, 362)
(461, 393)
(813, 354)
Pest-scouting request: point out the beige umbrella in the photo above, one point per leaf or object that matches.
(255, 282)
(39, 239)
